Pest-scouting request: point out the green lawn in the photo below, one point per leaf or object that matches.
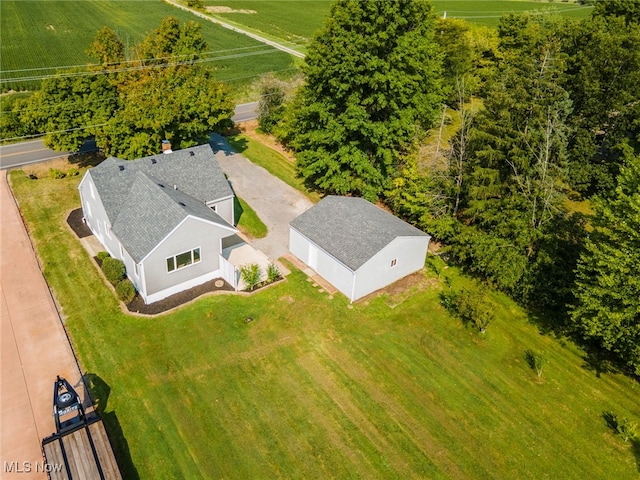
(314, 389)
(296, 21)
(37, 36)
(271, 161)
(247, 219)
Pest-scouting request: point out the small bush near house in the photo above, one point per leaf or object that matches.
(72, 172)
(56, 173)
(113, 269)
(102, 255)
(273, 273)
(250, 275)
(126, 291)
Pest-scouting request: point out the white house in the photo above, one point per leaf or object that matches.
(168, 217)
(356, 246)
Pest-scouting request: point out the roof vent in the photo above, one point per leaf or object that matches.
(191, 153)
(182, 204)
(121, 167)
(154, 161)
(175, 187)
(161, 185)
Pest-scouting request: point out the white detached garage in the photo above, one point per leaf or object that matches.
(356, 246)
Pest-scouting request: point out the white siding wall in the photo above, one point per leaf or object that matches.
(96, 217)
(192, 233)
(325, 265)
(410, 253)
(224, 208)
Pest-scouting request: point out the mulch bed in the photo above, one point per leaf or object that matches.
(77, 225)
(137, 305)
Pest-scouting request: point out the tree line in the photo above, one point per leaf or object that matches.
(558, 123)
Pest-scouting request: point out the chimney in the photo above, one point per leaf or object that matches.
(166, 147)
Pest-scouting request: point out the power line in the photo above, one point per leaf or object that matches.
(136, 68)
(129, 61)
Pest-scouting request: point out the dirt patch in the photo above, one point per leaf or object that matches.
(250, 130)
(223, 9)
(402, 289)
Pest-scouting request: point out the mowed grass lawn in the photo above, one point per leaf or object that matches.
(314, 389)
(296, 21)
(39, 36)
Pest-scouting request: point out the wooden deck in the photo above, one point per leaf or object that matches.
(82, 454)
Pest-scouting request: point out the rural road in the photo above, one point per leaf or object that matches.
(34, 151)
(224, 24)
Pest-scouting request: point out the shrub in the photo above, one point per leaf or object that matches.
(471, 305)
(536, 361)
(624, 427)
(113, 269)
(126, 291)
(72, 172)
(56, 173)
(102, 255)
(250, 275)
(273, 273)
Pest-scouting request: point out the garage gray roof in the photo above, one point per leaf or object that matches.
(194, 171)
(351, 229)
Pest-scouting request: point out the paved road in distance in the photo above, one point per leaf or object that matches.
(34, 151)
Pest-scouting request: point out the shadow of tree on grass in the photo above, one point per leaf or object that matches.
(100, 391)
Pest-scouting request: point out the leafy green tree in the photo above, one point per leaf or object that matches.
(107, 48)
(607, 309)
(628, 9)
(604, 82)
(130, 113)
(373, 81)
(182, 105)
(71, 108)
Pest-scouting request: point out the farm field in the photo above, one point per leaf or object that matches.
(391, 388)
(37, 37)
(295, 21)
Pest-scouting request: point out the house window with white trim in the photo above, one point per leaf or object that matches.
(394, 262)
(183, 260)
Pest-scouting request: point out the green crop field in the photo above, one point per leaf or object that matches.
(392, 387)
(295, 21)
(37, 37)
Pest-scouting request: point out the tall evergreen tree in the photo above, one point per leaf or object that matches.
(516, 155)
(607, 310)
(373, 81)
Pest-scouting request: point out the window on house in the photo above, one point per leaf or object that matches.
(135, 267)
(183, 259)
(394, 262)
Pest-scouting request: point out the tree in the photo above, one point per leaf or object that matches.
(604, 82)
(515, 155)
(165, 96)
(107, 48)
(607, 308)
(71, 108)
(373, 81)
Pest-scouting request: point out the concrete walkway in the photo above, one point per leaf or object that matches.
(275, 202)
(34, 347)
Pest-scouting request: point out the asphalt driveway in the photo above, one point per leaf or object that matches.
(275, 202)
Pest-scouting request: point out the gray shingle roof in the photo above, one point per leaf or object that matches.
(150, 212)
(351, 229)
(140, 200)
(194, 171)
